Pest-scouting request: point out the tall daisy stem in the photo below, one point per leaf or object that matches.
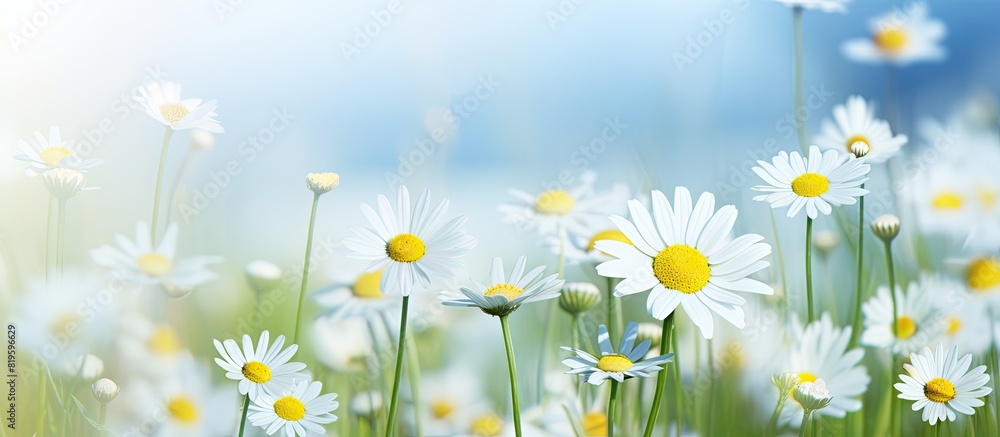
(773, 422)
(48, 235)
(612, 404)
(159, 183)
(512, 367)
(805, 423)
(661, 378)
(243, 419)
(809, 270)
(800, 125)
(858, 298)
(60, 238)
(893, 402)
(678, 389)
(305, 268)
(614, 311)
(400, 348)
(413, 374)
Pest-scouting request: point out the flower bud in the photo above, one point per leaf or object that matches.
(578, 297)
(320, 183)
(886, 227)
(105, 390)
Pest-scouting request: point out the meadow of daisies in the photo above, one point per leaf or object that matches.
(856, 291)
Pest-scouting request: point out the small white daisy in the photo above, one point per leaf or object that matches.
(574, 209)
(814, 183)
(186, 403)
(981, 275)
(164, 104)
(505, 294)
(854, 122)
(412, 247)
(628, 362)
(262, 369)
(298, 410)
(43, 154)
(361, 298)
(899, 37)
(918, 322)
(139, 261)
(942, 384)
(685, 255)
(944, 200)
(822, 5)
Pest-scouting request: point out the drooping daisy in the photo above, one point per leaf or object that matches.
(574, 209)
(43, 154)
(505, 294)
(814, 183)
(361, 298)
(164, 104)
(855, 121)
(261, 369)
(685, 256)
(919, 321)
(822, 5)
(942, 384)
(627, 362)
(298, 410)
(900, 37)
(411, 247)
(820, 351)
(140, 262)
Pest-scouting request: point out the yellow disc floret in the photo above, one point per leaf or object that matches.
(173, 112)
(486, 426)
(554, 202)
(441, 409)
(614, 363)
(905, 327)
(164, 341)
(610, 234)
(154, 264)
(682, 268)
(948, 200)
(368, 285)
(405, 248)
(53, 155)
(890, 39)
(939, 390)
(289, 408)
(509, 291)
(182, 409)
(810, 185)
(257, 371)
(983, 274)
(595, 424)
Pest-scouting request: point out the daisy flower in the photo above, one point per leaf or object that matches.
(574, 209)
(942, 384)
(855, 122)
(339, 352)
(411, 246)
(944, 200)
(43, 154)
(445, 404)
(187, 404)
(685, 256)
(628, 362)
(361, 298)
(155, 350)
(580, 245)
(899, 37)
(505, 294)
(918, 323)
(145, 264)
(982, 277)
(820, 351)
(163, 103)
(262, 369)
(814, 183)
(296, 410)
(822, 5)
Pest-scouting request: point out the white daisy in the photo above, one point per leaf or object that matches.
(628, 362)
(154, 350)
(918, 322)
(574, 209)
(820, 351)
(899, 37)
(942, 384)
(505, 294)
(187, 404)
(361, 298)
(685, 256)
(412, 246)
(298, 410)
(446, 405)
(981, 275)
(854, 122)
(262, 369)
(580, 246)
(339, 352)
(814, 183)
(139, 261)
(164, 104)
(43, 154)
(822, 5)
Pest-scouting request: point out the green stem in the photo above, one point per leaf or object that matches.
(575, 334)
(243, 419)
(805, 423)
(43, 405)
(48, 235)
(612, 401)
(305, 268)
(892, 289)
(103, 414)
(413, 374)
(177, 182)
(772, 423)
(678, 389)
(809, 270)
(60, 238)
(512, 367)
(614, 331)
(859, 296)
(661, 378)
(781, 263)
(159, 183)
(800, 125)
(562, 252)
(391, 423)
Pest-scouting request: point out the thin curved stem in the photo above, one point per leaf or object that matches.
(612, 401)
(772, 423)
(512, 367)
(859, 297)
(48, 235)
(678, 389)
(893, 402)
(60, 239)
(243, 420)
(614, 310)
(413, 374)
(400, 348)
(305, 268)
(172, 196)
(809, 270)
(159, 183)
(661, 378)
(800, 125)
(805, 423)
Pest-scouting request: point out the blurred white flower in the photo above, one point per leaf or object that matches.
(362, 298)
(322, 182)
(64, 183)
(964, 319)
(164, 104)
(43, 154)
(855, 122)
(900, 37)
(202, 139)
(627, 362)
(139, 261)
(87, 367)
(814, 183)
(505, 294)
(366, 404)
(298, 410)
(260, 370)
(447, 404)
(186, 403)
(942, 384)
(153, 350)
(336, 351)
(578, 209)
(919, 321)
(263, 275)
(822, 5)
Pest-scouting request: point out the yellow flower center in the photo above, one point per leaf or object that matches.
(405, 248)
(947, 200)
(610, 234)
(52, 155)
(855, 139)
(890, 39)
(173, 112)
(988, 197)
(810, 185)
(257, 371)
(682, 268)
(368, 285)
(486, 426)
(164, 341)
(595, 424)
(154, 264)
(554, 202)
(614, 363)
(803, 377)
(441, 409)
(905, 327)
(954, 325)
(983, 274)
(289, 408)
(64, 323)
(939, 390)
(509, 291)
(183, 409)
